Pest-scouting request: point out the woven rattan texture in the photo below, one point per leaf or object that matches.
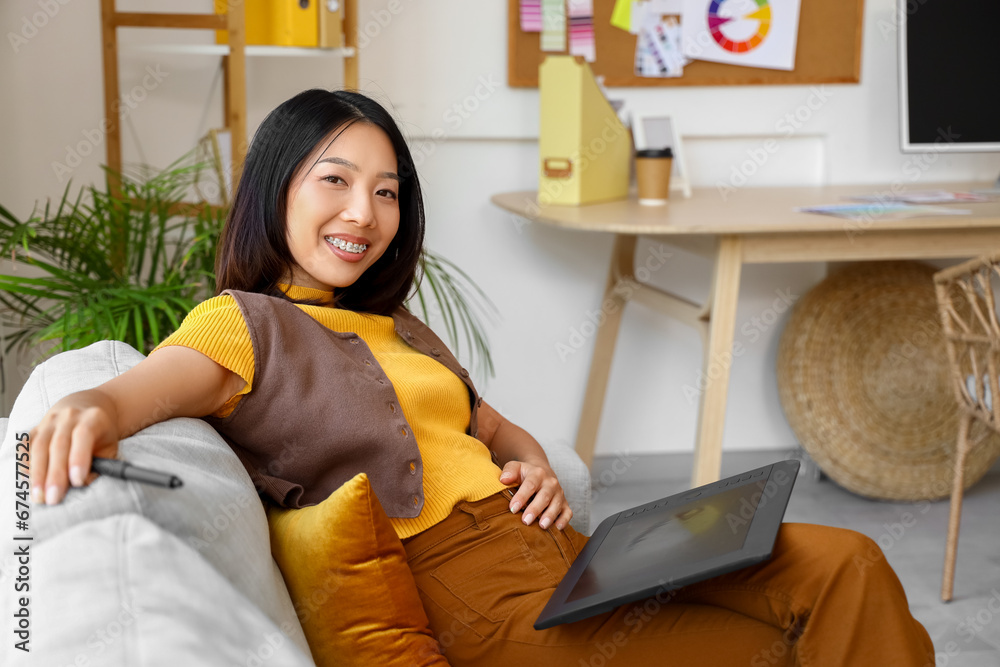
(967, 303)
(865, 383)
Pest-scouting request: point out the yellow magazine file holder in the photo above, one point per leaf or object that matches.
(277, 22)
(584, 149)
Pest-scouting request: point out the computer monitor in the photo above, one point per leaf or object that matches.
(949, 75)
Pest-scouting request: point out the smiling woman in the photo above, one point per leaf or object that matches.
(309, 365)
(344, 204)
(326, 164)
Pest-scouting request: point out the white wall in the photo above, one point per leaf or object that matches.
(425, 58)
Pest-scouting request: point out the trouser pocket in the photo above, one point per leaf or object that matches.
(495, 576)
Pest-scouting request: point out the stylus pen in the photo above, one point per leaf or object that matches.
(125, 470)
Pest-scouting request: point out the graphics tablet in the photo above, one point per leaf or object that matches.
(679, 540)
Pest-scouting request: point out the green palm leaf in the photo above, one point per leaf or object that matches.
(460, 302)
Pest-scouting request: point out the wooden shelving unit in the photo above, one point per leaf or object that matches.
(234, 64)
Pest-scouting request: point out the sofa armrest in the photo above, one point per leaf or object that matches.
(574, 475)
(216, 512)
(123, 592)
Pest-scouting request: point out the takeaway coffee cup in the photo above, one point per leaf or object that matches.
(652, 173)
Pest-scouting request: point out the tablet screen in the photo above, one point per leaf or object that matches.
(638, 547)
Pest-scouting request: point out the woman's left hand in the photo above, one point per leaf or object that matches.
(540, 494)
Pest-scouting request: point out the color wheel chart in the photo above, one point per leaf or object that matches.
(739, 26)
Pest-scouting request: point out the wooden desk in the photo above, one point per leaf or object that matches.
(752, 225)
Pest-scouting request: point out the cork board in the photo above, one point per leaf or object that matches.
(828, 51)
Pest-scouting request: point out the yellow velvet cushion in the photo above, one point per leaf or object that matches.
(346, 571)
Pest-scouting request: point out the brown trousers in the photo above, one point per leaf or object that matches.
(826, 597)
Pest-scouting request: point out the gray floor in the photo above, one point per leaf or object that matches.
(966, 631)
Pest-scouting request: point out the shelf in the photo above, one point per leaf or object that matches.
(251, 51)
(231, 23)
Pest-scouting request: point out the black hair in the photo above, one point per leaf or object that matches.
(253, 253)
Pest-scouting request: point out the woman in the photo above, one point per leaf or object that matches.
(307, 342)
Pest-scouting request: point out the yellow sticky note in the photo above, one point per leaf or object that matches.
(621, 15)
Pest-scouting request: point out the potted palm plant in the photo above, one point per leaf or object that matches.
(127, 262)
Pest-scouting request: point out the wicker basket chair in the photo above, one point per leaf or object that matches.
(966, 303)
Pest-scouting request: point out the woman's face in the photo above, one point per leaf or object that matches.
(343, 208)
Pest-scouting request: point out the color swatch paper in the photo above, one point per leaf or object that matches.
(658, 49)
(553, 25)
(581, 29)
(531, 15)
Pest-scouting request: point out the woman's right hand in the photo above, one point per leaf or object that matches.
(175, 381)
(74, 430)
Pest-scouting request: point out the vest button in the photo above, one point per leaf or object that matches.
(465, 373)
(413, 468)
(436, 352)
(354, 341)
(479, 402)
(408, 334)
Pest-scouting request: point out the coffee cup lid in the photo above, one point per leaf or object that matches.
(655, 152)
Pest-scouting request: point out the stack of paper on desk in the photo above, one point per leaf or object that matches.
(880, 210)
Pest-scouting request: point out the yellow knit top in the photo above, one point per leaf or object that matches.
(433, 399)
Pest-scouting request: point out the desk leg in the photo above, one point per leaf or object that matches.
(622, 265)
(718, 359)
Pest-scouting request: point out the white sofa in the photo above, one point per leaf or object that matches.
(129, 575)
